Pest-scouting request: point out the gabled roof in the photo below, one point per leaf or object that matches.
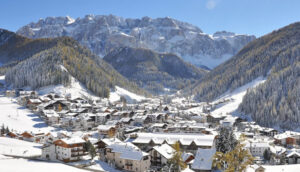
(203, 159)
(127, 151)
(165, 150)
(172, 138)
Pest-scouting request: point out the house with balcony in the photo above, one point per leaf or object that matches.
(66, 150)
(128, 157)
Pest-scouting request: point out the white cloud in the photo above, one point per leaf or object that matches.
(211, 4)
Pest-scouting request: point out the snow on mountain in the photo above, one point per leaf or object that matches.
(235, 97)
(77, 89)
(103, 33)
(19, 118)
(130, 97)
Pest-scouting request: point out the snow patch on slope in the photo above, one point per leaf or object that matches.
(130, 97)
(236, 97)
(76, 89)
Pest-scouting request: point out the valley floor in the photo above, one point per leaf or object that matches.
(18, 118)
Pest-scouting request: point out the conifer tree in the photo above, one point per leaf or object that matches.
(236, 160)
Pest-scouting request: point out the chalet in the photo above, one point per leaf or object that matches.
(102, 118)
(128, 157)
(107, 130)
(12, 135)
(278, 155)
(159, 127)
(126, 121)
(160, 155)
(203, 160)
(268, 132)
(287, 138)
(51, 117)
(56, 105)
(66, 150)
(214, 118)
(33, 103)
(27, 136)
(293, 157)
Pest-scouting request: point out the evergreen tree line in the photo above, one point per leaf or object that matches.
(267, 54)
(48, 68)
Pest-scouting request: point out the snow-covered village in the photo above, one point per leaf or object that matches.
(58, 129)
(150, 86)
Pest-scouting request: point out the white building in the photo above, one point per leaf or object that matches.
(66, 150)
(161, 154)
(128, 157)
(257, 148)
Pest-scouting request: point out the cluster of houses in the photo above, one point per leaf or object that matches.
(140, 137)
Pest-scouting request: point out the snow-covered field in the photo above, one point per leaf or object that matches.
(277, 168)
(236, 96)
(9, 146)
(19, 118)
(25, 165)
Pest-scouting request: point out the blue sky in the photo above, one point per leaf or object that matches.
(256, 17)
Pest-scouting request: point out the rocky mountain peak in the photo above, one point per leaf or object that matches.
(103, 33)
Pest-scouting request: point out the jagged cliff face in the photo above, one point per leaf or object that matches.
(102, 34)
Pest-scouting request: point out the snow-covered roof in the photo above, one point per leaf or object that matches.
(165, 150)
(73, 140)
(286, 135)
(172, 138)
(257, 144)
(293, 153)
(127, 151)
(203, 159)
(105, 127)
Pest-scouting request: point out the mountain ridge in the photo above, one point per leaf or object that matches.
(103, 33)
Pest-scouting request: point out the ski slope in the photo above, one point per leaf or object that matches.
(19, 118)
(130, 97)
(236, 97)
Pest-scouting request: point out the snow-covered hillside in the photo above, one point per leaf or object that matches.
(235, 97)
(130, 97)
(19, 118)
(77, 89)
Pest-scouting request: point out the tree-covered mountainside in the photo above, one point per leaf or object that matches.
(153, 71)
(277, 101)
(272, 51)
(15, 48)
(57, 60)
(275, 56)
